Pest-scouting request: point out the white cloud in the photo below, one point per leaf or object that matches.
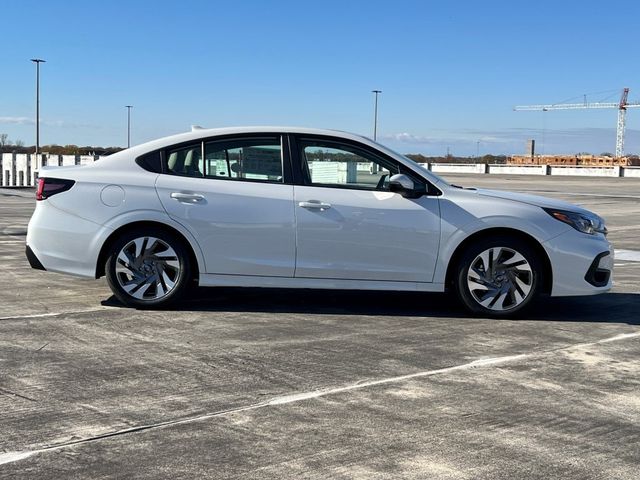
(48, 123)
(407, 138)
(512, 140)
(17, 121)
(506, 135)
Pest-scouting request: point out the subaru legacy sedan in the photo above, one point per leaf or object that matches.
(306, 208)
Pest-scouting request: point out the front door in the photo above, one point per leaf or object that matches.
(350, 226)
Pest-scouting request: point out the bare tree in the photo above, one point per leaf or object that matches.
(19, 143)
(4, 140)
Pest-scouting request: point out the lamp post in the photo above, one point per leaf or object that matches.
(375, 114)
(37, 61)
(544, 127)
(129, 107)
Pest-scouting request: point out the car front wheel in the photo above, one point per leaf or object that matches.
(498, 277)
(148, 268)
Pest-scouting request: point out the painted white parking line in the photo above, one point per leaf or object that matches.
(576, 194)
(15, 456)
(52, 314)
(628, 255)
(9, 457)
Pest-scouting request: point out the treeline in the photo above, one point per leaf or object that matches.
(61, 149)
(486, 159)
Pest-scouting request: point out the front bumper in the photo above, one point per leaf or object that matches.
(600, 271)
(581, 264)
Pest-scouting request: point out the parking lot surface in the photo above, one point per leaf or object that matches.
(261, 383)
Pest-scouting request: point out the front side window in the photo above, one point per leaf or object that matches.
(245, 159)
(333, 164)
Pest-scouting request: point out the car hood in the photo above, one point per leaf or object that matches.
(532, 200)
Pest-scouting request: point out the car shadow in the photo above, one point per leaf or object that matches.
(607, 308)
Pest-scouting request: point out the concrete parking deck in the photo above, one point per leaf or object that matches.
(316, 384)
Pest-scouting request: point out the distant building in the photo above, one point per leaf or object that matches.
(586, 160)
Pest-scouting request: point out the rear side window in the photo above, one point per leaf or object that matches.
(257, 159)
(186, 161)
(151, 162)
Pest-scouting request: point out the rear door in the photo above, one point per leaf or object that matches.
(233, 196)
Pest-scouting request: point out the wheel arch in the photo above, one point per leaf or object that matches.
(106, 246)
(501, 231)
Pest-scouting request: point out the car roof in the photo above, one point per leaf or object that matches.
(198, 133)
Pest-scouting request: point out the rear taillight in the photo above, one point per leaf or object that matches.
(48, 187)
(40, 189)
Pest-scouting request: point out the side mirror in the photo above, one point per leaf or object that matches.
(403, 185)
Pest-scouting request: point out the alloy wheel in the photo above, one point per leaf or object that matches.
(500, 278)
(147, 268)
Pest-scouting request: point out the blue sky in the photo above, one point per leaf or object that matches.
(450, 71)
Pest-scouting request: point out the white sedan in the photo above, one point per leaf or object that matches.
(306, 208)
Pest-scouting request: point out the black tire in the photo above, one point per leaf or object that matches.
(508, 286)
(156, 278)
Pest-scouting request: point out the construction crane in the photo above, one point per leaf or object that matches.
(622, 106)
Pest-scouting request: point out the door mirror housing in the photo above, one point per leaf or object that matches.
(402, 184)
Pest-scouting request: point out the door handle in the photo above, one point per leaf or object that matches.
(187, 197)
(315, 204)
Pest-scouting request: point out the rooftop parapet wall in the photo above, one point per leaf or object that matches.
(21, 169)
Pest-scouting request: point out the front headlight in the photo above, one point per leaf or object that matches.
(590, 224)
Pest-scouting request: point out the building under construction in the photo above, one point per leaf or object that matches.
(531, 158)
(586, 160)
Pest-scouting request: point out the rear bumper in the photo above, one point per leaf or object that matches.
(582, 264)
(33, 259)
(58, 241)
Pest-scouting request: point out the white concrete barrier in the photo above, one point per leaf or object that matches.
(518, 169)
(458, 167)
(631, 172)
(584, 171)
(21, 169)
(7, 166)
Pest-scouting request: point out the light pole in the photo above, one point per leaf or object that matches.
(478, 150)
(129, 107)
(544, 127)
(37, 61)
(375, 114)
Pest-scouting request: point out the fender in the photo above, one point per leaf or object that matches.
(524, 218)
(158, 216)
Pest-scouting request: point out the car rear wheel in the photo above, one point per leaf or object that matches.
(148, 268)
(498, 277)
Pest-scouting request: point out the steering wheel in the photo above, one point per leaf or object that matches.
(380, 185)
